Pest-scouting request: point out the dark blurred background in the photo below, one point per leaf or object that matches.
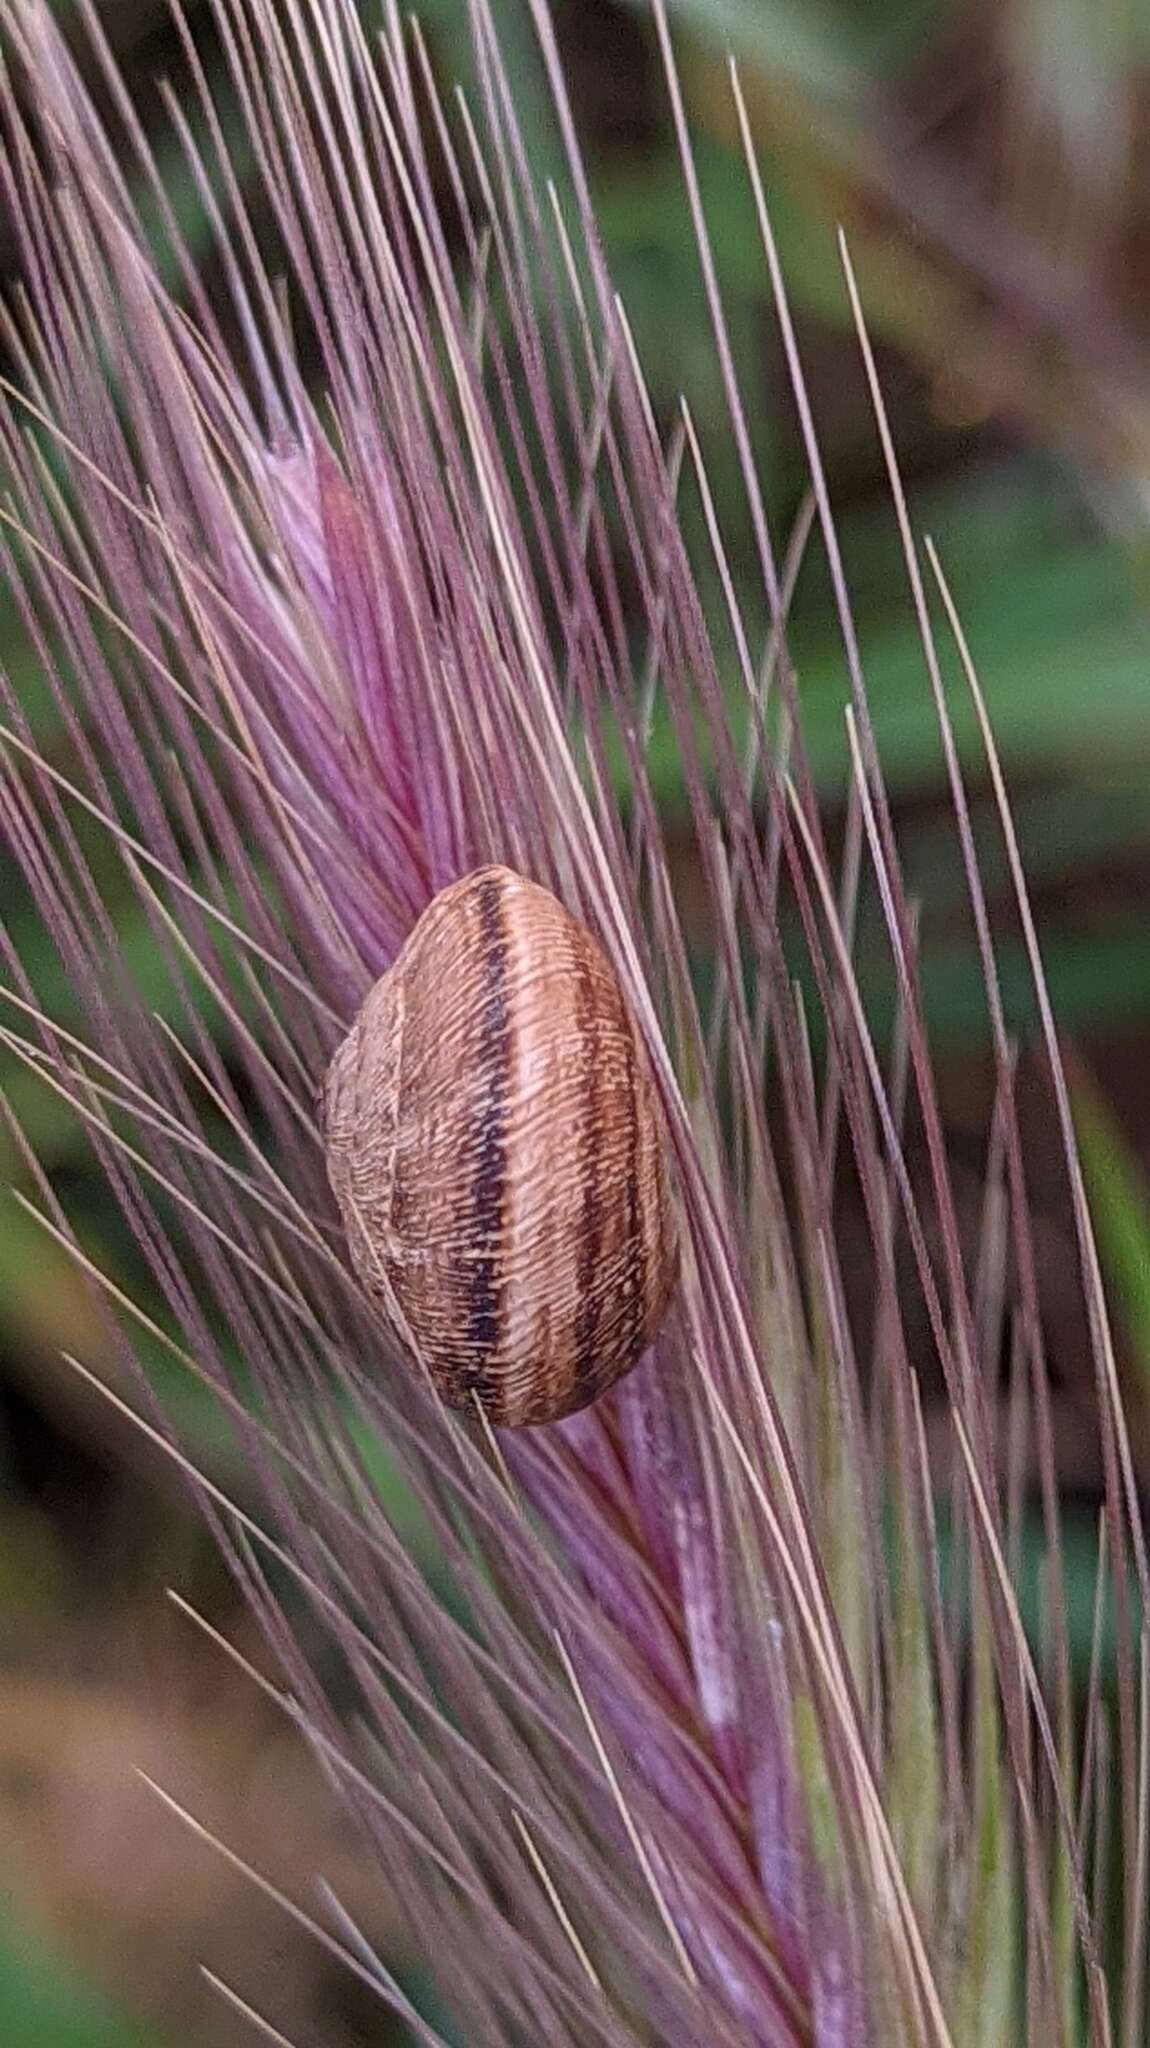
(988, 163)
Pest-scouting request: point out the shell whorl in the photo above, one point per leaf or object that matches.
(500, 1157)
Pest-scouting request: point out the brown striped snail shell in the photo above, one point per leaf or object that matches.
(500, 1157)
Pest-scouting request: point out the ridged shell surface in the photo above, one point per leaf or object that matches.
(500, 1157)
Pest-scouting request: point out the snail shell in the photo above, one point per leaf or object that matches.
(500, 1157)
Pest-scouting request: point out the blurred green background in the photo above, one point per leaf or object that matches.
(988, 162)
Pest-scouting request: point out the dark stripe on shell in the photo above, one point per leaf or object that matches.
(484, 1307)
(585, 1363)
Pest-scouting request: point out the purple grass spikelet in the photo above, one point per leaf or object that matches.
(354, 574)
